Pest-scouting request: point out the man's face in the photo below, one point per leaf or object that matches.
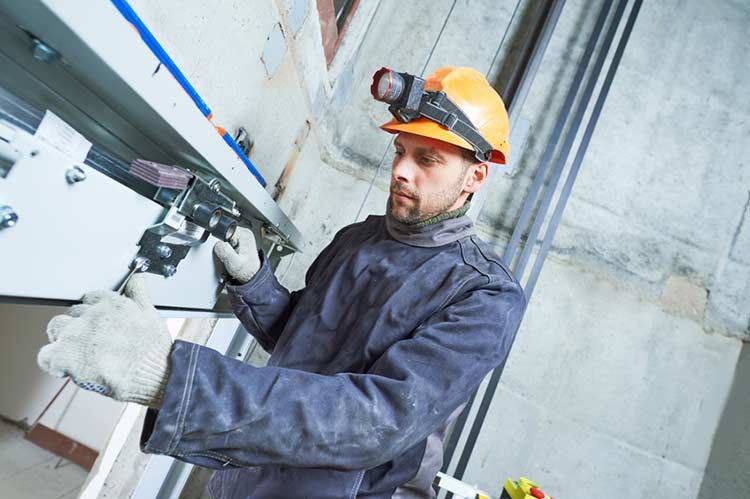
(428, 177)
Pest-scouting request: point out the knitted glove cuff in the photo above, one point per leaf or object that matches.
(245, 273)
(149, 378)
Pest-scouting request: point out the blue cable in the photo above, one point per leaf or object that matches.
(129, 14)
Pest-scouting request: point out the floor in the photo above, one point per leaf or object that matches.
(30, 472)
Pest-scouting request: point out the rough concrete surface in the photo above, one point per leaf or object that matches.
(684, 298)
(604, 394)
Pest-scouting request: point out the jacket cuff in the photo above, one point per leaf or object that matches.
(254, 285)
(163, 428)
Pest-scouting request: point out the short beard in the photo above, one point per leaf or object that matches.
(445, 200)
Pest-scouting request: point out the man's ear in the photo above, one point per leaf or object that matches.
(477, 175)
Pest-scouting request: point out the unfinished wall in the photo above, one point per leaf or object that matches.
(622, 368)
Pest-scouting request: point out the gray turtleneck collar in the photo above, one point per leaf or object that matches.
(437, 231)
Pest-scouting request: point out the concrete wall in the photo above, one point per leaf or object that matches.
(622, 368)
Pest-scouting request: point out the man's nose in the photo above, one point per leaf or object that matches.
(403, 169)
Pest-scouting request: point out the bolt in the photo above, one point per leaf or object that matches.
(8, 217)
(75, 175)
(164, 251)
(141, 263)
(168, 270)
(215, 185)
(43, 52)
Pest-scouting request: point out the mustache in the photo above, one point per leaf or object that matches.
(401, 188)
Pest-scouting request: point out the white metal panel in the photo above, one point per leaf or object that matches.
(71, 239)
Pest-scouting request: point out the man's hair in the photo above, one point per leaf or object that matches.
(468, 157)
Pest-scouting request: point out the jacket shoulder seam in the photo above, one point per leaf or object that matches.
(467, 262)
(492, 260)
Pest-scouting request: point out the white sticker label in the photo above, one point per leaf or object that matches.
(62, 137)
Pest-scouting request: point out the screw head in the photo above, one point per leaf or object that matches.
(75, 175)
(164, 251)
(43, 52)
(168, 270)
(141, 263)
(8, 217)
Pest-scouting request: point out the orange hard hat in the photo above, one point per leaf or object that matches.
(470, 91)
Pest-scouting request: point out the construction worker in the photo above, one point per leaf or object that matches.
(401, 318)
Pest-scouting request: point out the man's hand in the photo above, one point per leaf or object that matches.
(111, 344)
(239, 255)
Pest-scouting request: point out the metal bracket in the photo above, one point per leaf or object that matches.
(164, 245)
(9, 154)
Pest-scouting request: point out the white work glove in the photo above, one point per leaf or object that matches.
(112, 344)
(239, 255)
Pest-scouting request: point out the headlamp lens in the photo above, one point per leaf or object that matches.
(387, 85)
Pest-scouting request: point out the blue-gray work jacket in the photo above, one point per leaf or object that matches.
(394, 330)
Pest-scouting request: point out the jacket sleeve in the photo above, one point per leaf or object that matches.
(219, 412)
(262, 305)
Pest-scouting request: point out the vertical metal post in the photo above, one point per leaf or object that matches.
(584, 101)
(582, 147)
(536, 185)
(522, 76)
(562, 157)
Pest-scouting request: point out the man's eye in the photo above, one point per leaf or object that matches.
(425, 160)
(398, 153)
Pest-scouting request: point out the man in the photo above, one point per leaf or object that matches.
(401, 318)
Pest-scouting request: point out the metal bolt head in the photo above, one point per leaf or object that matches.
(8, 217)
(43, 52)
(141, 264)
(168, 270)
(164, 251)
(74, 175)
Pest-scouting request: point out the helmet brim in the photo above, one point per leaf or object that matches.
(427, 128)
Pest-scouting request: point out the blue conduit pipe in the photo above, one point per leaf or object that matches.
(150, 40)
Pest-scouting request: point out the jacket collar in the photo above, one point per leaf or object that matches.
(433, 235)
